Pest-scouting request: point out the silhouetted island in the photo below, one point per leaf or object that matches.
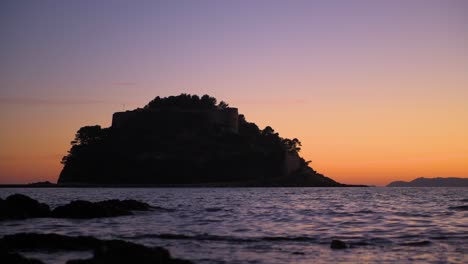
(186, 140)
(432, 182)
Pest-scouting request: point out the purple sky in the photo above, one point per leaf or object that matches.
(310, 69)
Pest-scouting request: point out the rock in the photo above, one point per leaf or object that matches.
(338, 244)
(48, 242)
(15, 258)
(104, 251)
(85, 209)
(122, 252)
(108, 208)
(459, 208)
(18, 206)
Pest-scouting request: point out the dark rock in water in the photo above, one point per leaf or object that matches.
(18, 206)
(108, 208)
(105, 251)
(459, 208)
(338, 244)
(85, 209)
(118, 251)
(298, 253)
(15, 258)
(47, 242)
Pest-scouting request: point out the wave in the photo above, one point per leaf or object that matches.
(208, 237)
(353, 242)
(162, 209)
(417, 243)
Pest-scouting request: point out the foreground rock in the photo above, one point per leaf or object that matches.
(104, 251)
(18, 206)
(15, 258)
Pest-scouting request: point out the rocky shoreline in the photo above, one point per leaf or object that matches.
(104, 251)
(18, 206)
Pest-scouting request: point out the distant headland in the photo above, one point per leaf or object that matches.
(432, 182)
(186, 140)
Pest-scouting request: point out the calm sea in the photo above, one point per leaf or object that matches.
(273, 225)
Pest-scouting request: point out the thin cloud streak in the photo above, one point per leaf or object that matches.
(124, 83)
(53, 101)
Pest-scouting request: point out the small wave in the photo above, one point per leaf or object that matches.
(439, 237)
(417, 243)
(364, 212)
(370, 242)
(281, 238)
(459, 208)
(406, 214)
(214, 209)
(209, 237)
(191, 237)
(162, 209)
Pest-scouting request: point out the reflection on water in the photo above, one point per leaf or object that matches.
(275, 225)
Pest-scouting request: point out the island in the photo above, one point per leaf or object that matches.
(186, 140)
(432, 182)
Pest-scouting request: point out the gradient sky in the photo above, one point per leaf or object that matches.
(376, 91)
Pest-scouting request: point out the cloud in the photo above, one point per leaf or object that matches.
(124, 83)
(272, 101)
(48, 101)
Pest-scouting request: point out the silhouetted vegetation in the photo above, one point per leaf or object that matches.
(185, 101)
(184, 150)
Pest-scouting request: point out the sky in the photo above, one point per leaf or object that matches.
(376, 91)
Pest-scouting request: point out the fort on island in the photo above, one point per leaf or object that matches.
(186, 140)
(226, 119)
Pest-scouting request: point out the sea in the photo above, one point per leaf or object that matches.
(270, 225)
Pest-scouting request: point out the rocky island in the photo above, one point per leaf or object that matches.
(186, 140)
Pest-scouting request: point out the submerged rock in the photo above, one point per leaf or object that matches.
(18, 206)
(104, 251)
(108, 208)
(338, 244)
(459, 208)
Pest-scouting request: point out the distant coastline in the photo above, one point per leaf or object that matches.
(432, 182)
